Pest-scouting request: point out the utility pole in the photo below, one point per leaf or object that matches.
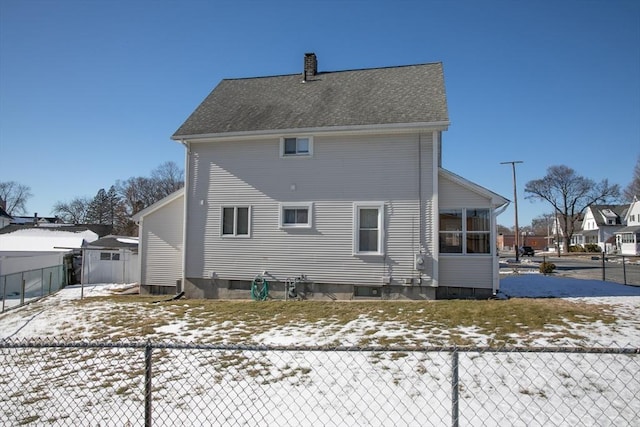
(516, 238)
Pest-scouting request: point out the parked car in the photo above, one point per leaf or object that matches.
(527, 250)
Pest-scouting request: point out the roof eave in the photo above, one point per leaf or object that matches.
(373, 129)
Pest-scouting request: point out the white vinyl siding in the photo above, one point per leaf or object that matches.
(161, 244)
(466, 272)
(343, 170)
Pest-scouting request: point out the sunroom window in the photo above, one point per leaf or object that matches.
(465, 231)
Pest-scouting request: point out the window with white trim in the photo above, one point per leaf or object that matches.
(296, 215)
(465, 231)
(368, 228)
(235, 221)
(296, 147)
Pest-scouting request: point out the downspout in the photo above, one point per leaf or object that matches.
(141, 250)
(421, 237)
(495, 286)
(187, 180)
(435, 227)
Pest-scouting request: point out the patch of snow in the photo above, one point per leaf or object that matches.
(42, 239)
(495, 388)
(132, 240)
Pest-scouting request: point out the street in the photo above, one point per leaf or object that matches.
(584, 267)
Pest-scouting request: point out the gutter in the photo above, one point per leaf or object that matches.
(393, 127)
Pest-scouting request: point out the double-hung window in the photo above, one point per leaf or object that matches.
(236, 221)
(368, 228)
(296, 147)
(465, 231)
(296, 215)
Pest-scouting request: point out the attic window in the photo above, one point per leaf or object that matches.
(290, 147)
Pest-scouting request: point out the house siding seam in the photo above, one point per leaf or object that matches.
(341, 171)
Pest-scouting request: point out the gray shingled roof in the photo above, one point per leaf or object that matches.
(619, 210)
(378, 96)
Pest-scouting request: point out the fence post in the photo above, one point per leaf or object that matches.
(22, 289)
(603, 275)
(454, 388)
(4, 291)
(148, 349)
(624, 270)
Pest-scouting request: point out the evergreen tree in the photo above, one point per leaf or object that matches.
(98, 212)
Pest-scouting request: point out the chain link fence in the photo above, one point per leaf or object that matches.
(621, 269)
(161, 384)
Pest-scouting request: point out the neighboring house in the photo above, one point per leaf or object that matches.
(112, 259)
(599, 226)
(628, 238)
(5, 218)
(161, 235)
(333, 179)
(31, 220)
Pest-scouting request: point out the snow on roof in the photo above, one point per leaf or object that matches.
(44, 240)
(132, 240)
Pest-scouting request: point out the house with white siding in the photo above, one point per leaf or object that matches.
(329, 185)
(599, 226)
(628, 237)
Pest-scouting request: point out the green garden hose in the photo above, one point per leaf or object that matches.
(259, 289)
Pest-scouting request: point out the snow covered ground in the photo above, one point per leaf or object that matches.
(214, 386)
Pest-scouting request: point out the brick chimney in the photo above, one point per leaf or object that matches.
(310, 66)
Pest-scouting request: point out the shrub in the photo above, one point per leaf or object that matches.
(592, 247)
(547, 267)
(576, 248)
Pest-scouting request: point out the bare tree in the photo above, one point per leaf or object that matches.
(74, 212)
(168, 178)
(569, 194)
(15, 196)
(633, 189)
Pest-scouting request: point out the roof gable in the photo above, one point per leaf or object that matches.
(602, 214)
(495, 199)
(380, 96)
(159, 204)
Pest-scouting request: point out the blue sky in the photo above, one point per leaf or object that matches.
(91, 91)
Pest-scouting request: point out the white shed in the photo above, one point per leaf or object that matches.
(112, 259)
